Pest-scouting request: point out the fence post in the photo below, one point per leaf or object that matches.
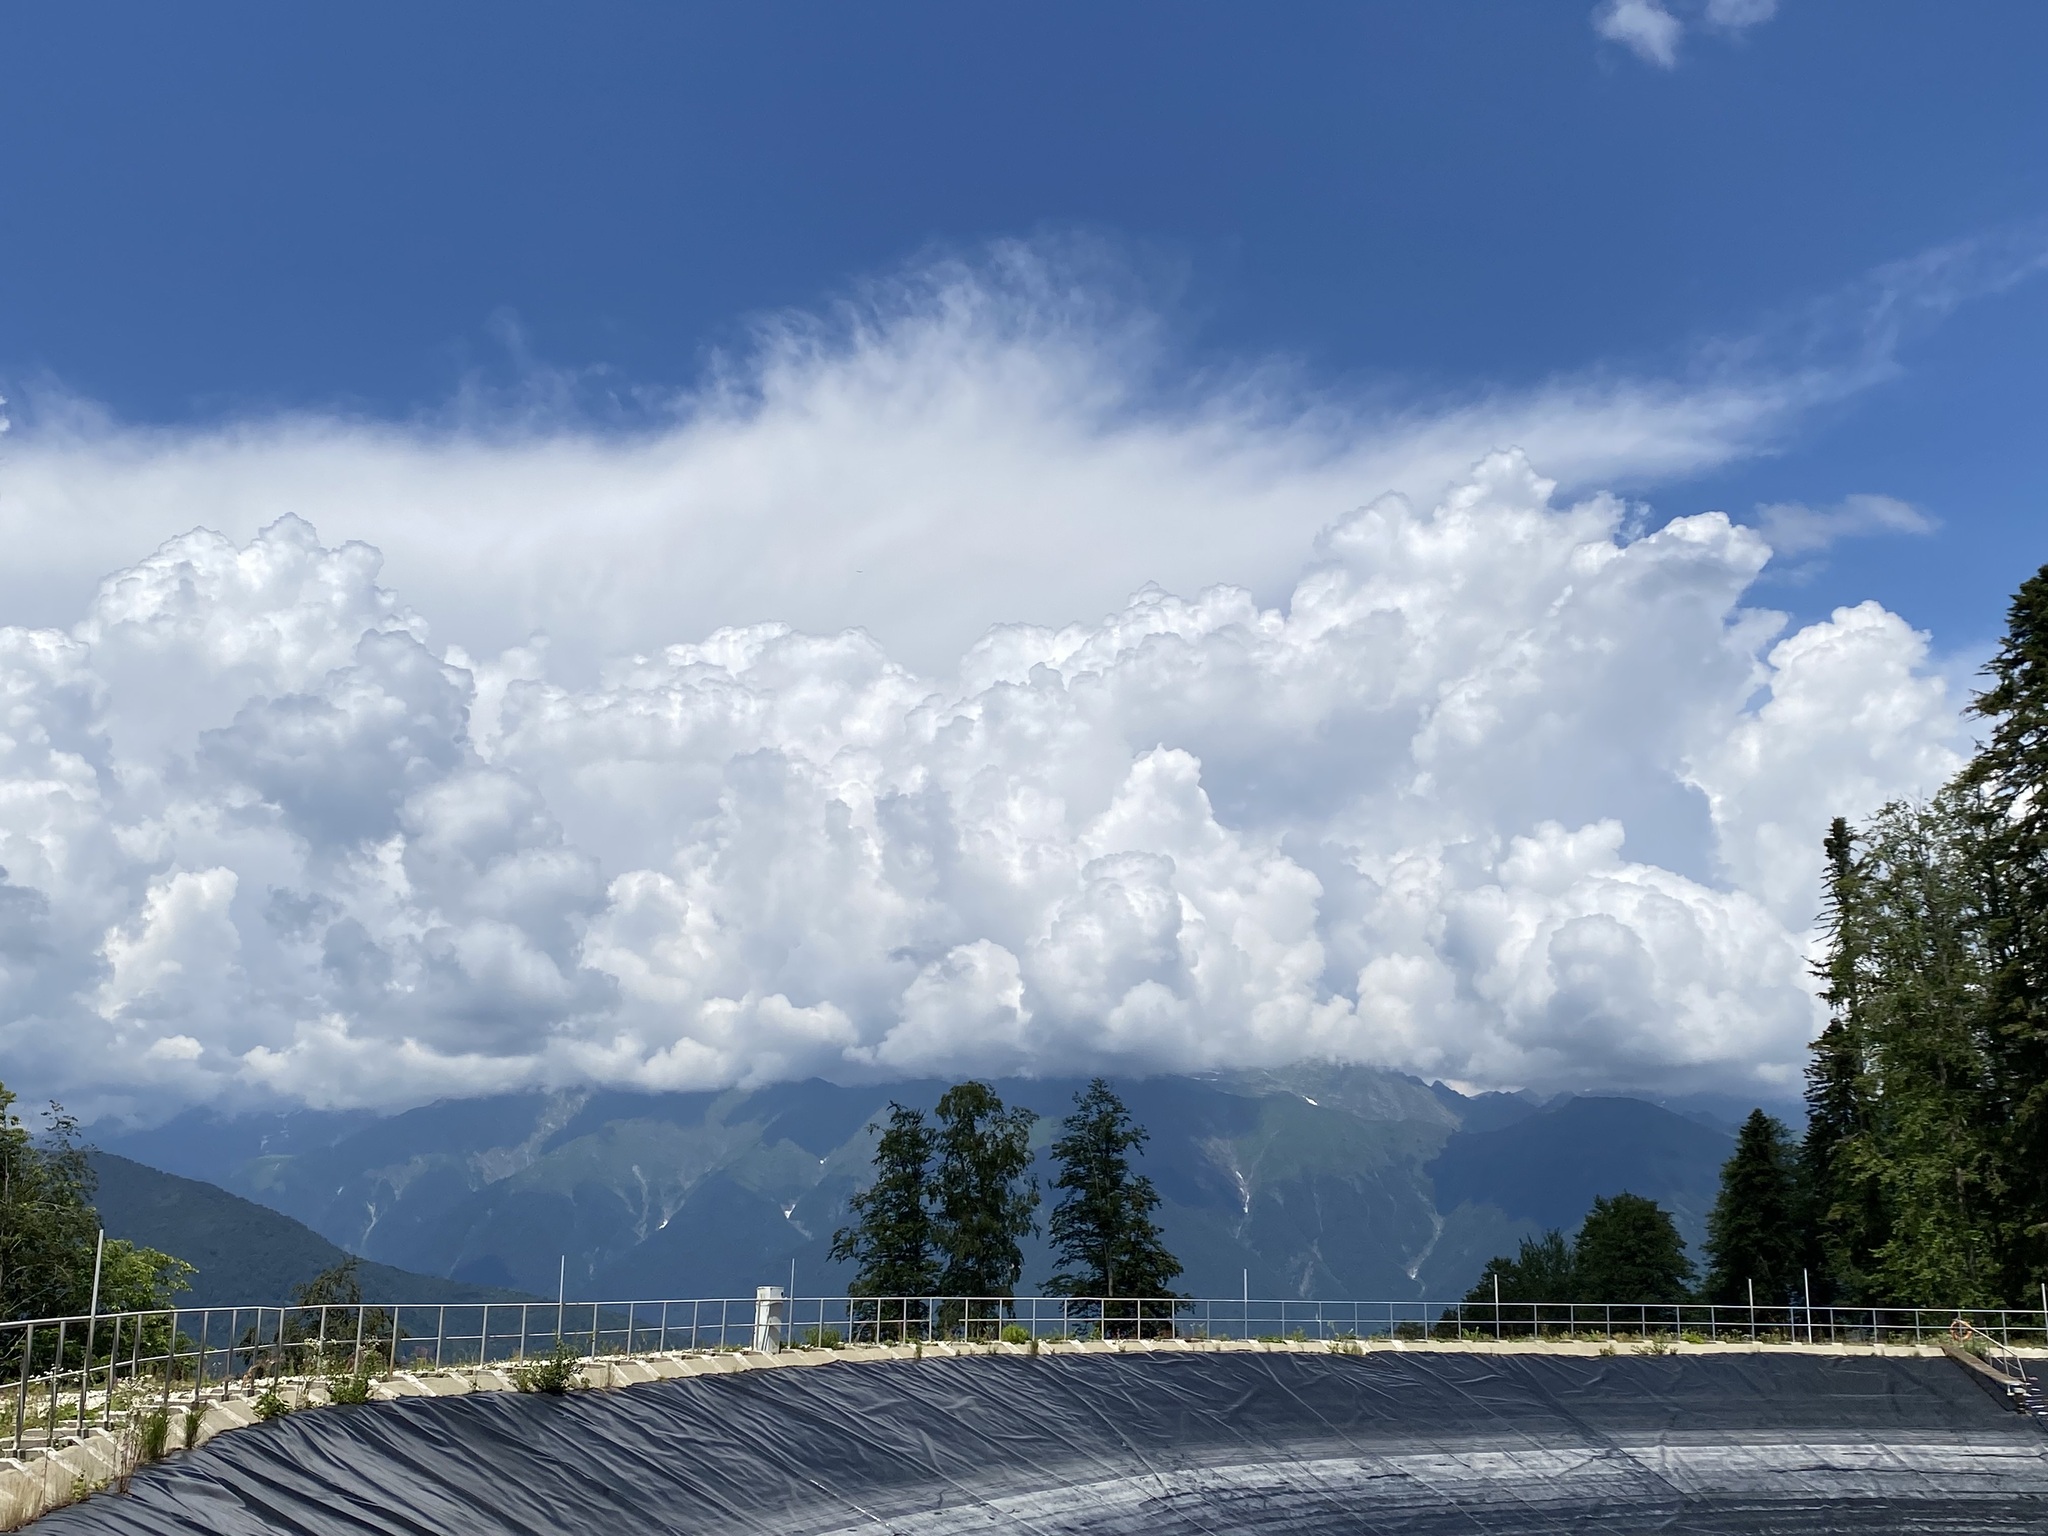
(134, 1357)
(28, 1350)
(113, 1365)
(199, 1367)
(56, 1369)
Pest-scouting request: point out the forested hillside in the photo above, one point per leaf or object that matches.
(240, 1252)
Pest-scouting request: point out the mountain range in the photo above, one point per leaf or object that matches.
(241, 1252)
(1315, 1181)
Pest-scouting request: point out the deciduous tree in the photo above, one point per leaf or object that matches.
(984, 1197)
(1628, 1249)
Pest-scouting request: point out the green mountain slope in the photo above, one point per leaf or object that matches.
(244, 1252)
(1311, 1181)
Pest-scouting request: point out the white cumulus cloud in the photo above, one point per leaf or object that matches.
(1501, 786)
(1643, 27)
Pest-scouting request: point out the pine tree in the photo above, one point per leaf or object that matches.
(2009, 778)
(1841, 1219)
(1928, 1144)
(1103, 1236)
(891, 1240)
(984, 1197)
(1629, 1250)
(1753, 1235)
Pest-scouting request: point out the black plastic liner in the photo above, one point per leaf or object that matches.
(1227, 1442)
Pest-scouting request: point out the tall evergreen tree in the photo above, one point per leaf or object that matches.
(1753, 1232)
(1841, 1217)
(2009, 777)
(984, 1195)
(1629, 1250)
(891, 1239)
(1902, 1152)
(1103, 1237)
(1929, 1143)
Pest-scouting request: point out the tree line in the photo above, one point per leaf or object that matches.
(1921, 1177)
(952, 1201)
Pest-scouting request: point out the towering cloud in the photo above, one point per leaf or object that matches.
(1504, 790)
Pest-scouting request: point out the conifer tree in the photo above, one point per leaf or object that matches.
(891, 1238)
(1753, 1232)
(1103, 1235)
(1930, 1143)
(1628, 1249)
(2009, 778)
(1841, 1218)
(1903, 1150)
(984, 1198)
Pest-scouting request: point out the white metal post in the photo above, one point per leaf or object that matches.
(99, 1252)
(769, 1317)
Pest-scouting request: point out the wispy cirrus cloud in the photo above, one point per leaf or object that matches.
(1792, 528)
(922, 461)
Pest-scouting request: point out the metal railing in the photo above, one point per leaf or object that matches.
(61, 1377)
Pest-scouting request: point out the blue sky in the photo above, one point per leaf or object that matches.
(220, 209)
(687, 545)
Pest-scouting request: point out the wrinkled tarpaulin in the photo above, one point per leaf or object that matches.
(1106, 1443)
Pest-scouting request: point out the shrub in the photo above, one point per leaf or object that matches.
(554, 1372)
(348, 1390)
(152, 1435)
(1016, 1333)
(270, 1406)
(195, 1415)
(822, 1338)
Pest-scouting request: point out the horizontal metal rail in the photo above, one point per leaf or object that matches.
(67, 1375)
